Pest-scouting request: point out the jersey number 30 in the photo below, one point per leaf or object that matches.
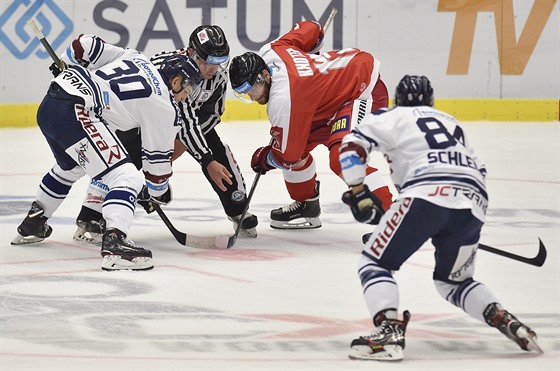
(126, 83)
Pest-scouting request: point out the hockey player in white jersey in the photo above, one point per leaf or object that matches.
(209, 48)
(442, 196)
(134, 81)
(78, 116)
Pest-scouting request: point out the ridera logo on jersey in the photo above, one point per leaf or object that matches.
(384, 236)
(340, 125)
(54, 23)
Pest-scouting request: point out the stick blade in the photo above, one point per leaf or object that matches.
(541, 256)
(208, 242)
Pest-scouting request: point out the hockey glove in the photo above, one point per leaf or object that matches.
(366, 207)
(55, 69)
(149, 203)
(258, 161)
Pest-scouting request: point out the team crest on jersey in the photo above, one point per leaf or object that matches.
(341, 124)
(238, 197)
(81, 152)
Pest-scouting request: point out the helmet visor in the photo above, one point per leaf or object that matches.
(222, 61)
(193, 86)
(248, 93)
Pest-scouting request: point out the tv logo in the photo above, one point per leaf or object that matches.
(18, 38)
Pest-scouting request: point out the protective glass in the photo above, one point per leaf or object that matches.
(246, 91)
(191, 86)
(221, 61)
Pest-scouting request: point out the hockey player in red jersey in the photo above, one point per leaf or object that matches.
(312, 99)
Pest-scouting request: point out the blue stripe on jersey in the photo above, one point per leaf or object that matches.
(96, 50)
(69, 51)
(349, 161)
(358, 133)
(120, 196)
(85, 76)
(53, 187)
(157, 186)
(157, 156)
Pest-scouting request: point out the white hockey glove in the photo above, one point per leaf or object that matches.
(353, 158)
(366, 207)
(149, 203)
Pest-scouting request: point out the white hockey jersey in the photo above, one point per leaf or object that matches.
(136, 96)
(428, 154)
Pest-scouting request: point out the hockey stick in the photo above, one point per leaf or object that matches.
(204, 242)
(330, 19)
(218, 242)
(537, 261)
(33, 24)
(201, 242)
(233, 238)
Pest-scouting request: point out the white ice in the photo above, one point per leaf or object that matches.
(287, 300)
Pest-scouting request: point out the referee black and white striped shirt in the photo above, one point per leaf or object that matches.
(203, 114)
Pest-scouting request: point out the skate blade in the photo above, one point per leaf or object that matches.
(89, 238)
(299, 223)
(21, 240)
(388, 353)
(531, 339)
(117, 263)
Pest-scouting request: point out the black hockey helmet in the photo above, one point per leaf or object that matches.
(245, 70)
(210, 44)
(181, 64)
(414, 91)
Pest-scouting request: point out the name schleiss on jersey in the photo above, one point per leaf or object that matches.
(452, 158)
(301, 62)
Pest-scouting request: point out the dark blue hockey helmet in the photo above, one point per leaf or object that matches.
(414, 91)
(180, 64)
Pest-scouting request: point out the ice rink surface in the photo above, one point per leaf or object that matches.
(287, 300)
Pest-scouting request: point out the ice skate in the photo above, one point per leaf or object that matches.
(89, 232)
(385, 344)
(119, 253)
(511, 327)
(34, 227)
(248, 226)
(298, 215)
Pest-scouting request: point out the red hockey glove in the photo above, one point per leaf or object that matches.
(366, 207)
(258, 161)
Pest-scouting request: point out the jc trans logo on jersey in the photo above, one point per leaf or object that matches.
(18, 38)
